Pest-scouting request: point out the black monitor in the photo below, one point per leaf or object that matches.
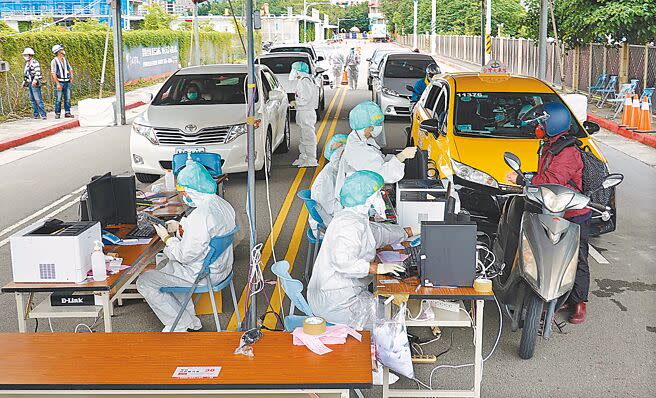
(112, 200)
(417, 168)
(448, 253)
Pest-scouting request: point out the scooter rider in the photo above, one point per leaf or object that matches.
(560, 163)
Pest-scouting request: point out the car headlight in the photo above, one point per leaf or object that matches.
(389, 91)
(236, 131)
(555, 203)
(471, 174)
(528, 260)
(570, 273)
(146, 131)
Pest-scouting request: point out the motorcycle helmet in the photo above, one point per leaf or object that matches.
(432, 70)
(559, 119)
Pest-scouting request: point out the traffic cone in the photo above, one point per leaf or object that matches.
(344, 78)
(644, 125)
(626, 113)
(635, 112)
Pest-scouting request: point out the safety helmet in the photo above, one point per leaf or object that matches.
(337, 138)
(57, 48)
(301, 66)
(432, 70)
(28, 51)
(366, 114)
(195, 176)
(559, 119)
(359, 187)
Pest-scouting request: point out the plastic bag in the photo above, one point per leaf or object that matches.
(392, 346)
(363, 312)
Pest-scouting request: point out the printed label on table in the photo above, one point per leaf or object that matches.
(196, 372)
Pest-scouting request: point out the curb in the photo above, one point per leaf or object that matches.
(644, 138)
(48, 131)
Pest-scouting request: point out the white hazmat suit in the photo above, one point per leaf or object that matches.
(336, 67)
(213, 216)
(307, 100)
(352, 67)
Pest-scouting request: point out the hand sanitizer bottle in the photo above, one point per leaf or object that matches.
(169, 181)
(98, 263)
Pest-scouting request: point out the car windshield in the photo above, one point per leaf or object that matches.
(306, 50)
(280, 65)
(209, 89)
(409, 68)
(503, 115)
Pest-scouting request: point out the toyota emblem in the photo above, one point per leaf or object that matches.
(190, 128)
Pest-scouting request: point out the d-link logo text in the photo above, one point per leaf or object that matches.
(71, 300)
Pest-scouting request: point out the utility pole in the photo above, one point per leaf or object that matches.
(118, 63)
(488, 30)
(433, 15)
(542, 40)
(304, 21)
(414, 34)
(196, 35)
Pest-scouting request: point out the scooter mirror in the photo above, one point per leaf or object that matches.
(612, 180)
(512, 161)
(410, 88)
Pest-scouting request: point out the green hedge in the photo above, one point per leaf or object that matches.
(85, 51)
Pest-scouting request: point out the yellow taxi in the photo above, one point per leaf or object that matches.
(466, 121)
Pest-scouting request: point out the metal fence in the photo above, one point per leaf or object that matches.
(581, 66)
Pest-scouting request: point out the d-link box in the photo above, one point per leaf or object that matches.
(54, 251)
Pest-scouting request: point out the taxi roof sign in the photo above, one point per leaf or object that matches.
(494, 67)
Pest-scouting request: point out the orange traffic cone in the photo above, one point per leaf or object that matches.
(344, 78)
(644, 125)
(626, 114)
(635, 112)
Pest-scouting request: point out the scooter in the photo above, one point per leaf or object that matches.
(536, 252)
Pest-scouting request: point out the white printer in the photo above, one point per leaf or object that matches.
(54, 251)
(419, 200)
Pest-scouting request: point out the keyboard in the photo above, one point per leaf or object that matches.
(147, 231)
(413, 259)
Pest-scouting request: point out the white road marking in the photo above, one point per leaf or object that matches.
(45, 209)
(597, 256)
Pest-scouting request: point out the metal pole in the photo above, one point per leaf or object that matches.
(542, 42)
(483, 32)
(118, 63)
(250, 146)
(488, 30)
(304, 21)
(433, 12)
(196, 35)
(414, 14)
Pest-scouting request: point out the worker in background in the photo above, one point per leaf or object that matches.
(323, 187)
(187, 245)
(560, 163)
(362, 152)
(32, 81)
(421, 84)
(352, 68)
(347, 259)
(306, 102)
(336, 67)
(61, 73)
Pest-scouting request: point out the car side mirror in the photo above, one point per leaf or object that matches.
(512, 161)
(612, 180)
(590, 127)
(430, 126)
(321, 58)
(320, 70)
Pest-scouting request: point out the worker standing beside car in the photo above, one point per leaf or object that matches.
(336, 67)
(306, 101)
(560, 163)
(352, 66)
(421, 84)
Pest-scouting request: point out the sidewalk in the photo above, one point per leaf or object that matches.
(22, 131)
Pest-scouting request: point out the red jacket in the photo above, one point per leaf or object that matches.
(565, 168)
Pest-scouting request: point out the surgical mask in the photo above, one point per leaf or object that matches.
(376, 131)
(63, 52)
(378, 204)
(293, 75)
(192, 95)
(26, 57)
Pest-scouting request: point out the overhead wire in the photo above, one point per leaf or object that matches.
(65, 17)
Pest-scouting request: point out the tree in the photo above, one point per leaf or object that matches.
(88, 25)
(599, 21)
(358, 16)
(47, 24)
(5, 28)
(157, 18)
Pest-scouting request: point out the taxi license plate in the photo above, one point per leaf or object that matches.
(192, 149)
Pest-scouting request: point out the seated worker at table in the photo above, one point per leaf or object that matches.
(186, 250)
(323, 188)
(421, 84)
(347, 259)
(361, 151)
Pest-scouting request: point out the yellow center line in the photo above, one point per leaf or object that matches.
(297, 236)
(282, 215)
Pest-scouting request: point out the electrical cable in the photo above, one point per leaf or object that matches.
(234, 18)
(65, 17)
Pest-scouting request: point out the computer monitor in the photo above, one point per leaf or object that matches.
(112, 200)
(448, 253)
(417, 168)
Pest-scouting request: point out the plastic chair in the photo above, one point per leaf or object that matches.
(218, 246)
(620, 97)
(211, 161)
(293, 289)
(599, 84)
(605, 92)
(314, 242)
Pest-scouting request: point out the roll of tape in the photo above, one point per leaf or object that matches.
(314, 325)
(482, 285)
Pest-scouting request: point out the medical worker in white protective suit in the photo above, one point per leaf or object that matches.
(352, 68)
(323, 187)
(347, 258)
(336, 68)
(361, 151)
(186, 250)
(306, 102)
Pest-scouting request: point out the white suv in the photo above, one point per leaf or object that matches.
(214, 120)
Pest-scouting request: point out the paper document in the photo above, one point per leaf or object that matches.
(398, 246)
(196, 372)
(134, 242)
(391, 257)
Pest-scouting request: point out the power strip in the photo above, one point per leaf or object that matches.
(445, 305)
(428, 358)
